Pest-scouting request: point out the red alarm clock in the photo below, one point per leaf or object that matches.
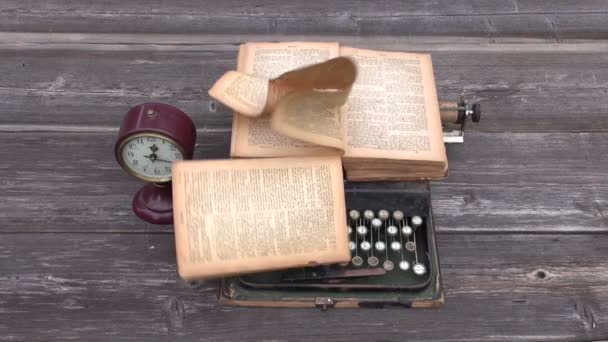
(151, 137)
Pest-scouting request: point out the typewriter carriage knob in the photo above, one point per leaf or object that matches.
(476, 112)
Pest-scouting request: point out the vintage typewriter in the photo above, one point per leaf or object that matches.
(392, 241)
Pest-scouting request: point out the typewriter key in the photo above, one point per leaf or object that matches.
(392, 230)
(404, 265)
(388, 265)
(416, 221)
(362, 230)
(366, 246)
(396, 245)
(410, 246)
(352, 245)
(398, 215)
(357, 261)
(354, 214)
(419, 269)
(407, 230)
(383, 214)
(373, 261)
(350, 229)
(376, 223)
(380, 246)
(368, 214)
(344, 264)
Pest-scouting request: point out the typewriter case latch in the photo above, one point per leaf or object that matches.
(324, 303)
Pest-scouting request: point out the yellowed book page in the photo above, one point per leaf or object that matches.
(316, 120)
(392, 111)
(247, 215)
(239, 66)
(311, 112)
(244, 93)
(254, 137)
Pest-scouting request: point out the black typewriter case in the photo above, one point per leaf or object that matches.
(393, 288)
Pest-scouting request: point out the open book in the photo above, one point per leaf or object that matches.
(388, 129)
(248, 215)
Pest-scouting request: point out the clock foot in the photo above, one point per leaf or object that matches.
(154, 203)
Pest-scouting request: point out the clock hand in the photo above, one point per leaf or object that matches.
(153, 158)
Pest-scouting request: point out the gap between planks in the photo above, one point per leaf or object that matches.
(230, 42)
(168, 230)
(7, 128)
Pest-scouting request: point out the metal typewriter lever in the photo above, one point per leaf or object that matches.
(454, 115)
(330, 273)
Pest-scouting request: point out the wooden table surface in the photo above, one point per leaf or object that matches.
(522, 219)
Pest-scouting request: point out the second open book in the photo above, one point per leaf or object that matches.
(389, 128)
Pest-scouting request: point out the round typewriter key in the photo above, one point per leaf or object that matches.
(380, 246)
(344, 264)
(398, 215)
(404, 265)
(376, 223)
(396, 245)
(410, 246)
(388, 265)
(383, 214)
(357, 261)
(352, 245)
(366, 245)
(419, 269)
(373, 261)
(354, 214)
(350, 229)
(392, 230)
(362, 230)
(368, 214)
(416, 221)
(407, 230)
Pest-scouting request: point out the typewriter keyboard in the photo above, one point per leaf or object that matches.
(389, 251)
(385, 239)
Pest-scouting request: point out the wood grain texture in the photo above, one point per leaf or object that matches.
(522, 218)
(100, 287)
(520, 90)
(389, 17)
(499, 182)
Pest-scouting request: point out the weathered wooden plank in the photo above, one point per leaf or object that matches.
(520, 91)
(498, 182)
(64, 181)
(562, 6)
(265, 8)
(524, 182)
(463, 18)
(591, 26)
(97, 287)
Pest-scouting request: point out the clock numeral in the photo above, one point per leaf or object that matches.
(167, 168)
(135, 162)
(145, 167)
(131, 146)
(140, 140)
(131, 154)
(173, 148)
(151, 139)
(156, 171)
(178, 155)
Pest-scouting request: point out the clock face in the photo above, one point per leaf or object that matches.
(150, 157)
